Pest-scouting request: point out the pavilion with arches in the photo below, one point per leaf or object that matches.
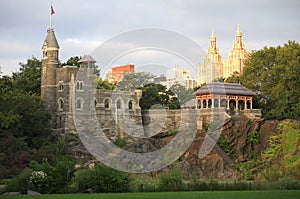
(231, 97)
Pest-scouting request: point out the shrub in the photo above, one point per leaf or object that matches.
(20, 182)
(58, 177)
(143, 183)
(101, 179)
(171, 181)
(120, 142)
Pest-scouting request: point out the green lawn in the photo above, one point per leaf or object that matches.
(290, 194)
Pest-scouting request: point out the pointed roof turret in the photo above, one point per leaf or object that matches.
(238, 32)
(87, 61)
(87, 58)
(50, 40)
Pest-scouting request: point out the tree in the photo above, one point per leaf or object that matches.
(234, 78)
(72, 61)
(24, 123)
(157, 95)
(134, 80)
(28, 78)
(182, 94)
(273, 74)
(105, 84)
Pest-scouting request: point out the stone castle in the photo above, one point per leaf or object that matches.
(213, 67)
(61, 89)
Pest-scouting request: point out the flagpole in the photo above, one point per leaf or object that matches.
(50, 20)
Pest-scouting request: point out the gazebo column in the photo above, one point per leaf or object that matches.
(251, 104)
(236, 104)
(245, 104)
(227, 104)
(212, 102)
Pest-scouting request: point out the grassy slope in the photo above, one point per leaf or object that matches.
(291, 194)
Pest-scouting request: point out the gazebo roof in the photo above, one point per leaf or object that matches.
(223, 89)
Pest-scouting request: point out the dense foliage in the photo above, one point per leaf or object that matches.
(156, 96)
(25, 129)
(101, 179)
(105, 85)
(134, 80)
(273, 74)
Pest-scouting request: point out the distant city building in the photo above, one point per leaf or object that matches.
(236, 56)
(213, 67)
(117, 72)
(180, 76)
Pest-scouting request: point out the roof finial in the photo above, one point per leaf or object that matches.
(238, 32)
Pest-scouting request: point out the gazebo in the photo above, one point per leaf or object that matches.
(224, 95)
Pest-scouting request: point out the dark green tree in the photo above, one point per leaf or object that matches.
(28, 79)
(273, 74)
(157, 95)
(72, 61)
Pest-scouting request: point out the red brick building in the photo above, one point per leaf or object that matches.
(117, 72)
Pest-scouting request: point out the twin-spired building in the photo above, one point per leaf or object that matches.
(213, 67)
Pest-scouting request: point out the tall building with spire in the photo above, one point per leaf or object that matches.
(236, 57)
(212, 66)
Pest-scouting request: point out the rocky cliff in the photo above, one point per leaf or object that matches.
(237, 133)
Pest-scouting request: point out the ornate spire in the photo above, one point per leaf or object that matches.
(213, 44)
(212, 34)
(238, 32)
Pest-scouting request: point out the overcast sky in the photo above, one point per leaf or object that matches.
(81, 26)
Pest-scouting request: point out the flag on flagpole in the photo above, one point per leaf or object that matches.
(52, 11)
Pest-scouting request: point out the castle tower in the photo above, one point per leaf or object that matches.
(212, 67)
(236, 56)
(50, 50)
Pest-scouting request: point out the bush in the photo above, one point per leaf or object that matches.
(172, 180)
(143, 183)
(57, 177)
(120, 142)
(19, 183)
(101, 179)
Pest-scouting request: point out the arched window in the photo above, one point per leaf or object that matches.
(119, 104)
(199, 104)
(130, 105)
(79, 85)
(106, 103)
(60, 103)
(78, 104)
(60, 85)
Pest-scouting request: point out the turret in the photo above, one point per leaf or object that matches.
(50, 62)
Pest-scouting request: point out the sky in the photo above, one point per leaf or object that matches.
(81, 26)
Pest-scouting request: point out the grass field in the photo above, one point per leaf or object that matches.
(289, 194)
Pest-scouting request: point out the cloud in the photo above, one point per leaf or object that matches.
(79, 26)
